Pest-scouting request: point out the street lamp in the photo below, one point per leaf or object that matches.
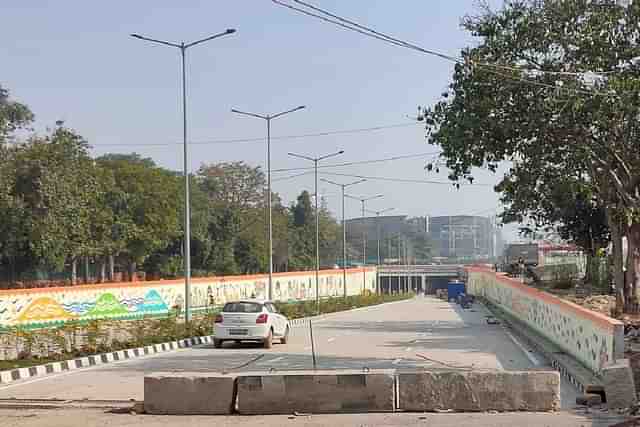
(315, 161)
(378, 226)
(268, 119)
(364, 235)
(187, 215)
(344, 231)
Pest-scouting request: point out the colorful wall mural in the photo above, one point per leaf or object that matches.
(590, 337)
(53, 306)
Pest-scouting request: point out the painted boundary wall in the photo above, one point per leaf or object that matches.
(43, 307)
(590, 337)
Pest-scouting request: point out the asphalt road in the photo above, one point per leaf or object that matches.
(422, 332)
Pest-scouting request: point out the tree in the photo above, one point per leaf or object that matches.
(145, 205)
(552, 86)
(13, 116)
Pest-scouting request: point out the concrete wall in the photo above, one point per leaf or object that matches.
(592, 338)
(49, 306)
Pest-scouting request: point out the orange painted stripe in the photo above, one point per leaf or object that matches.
(145, 284)
(600, 319)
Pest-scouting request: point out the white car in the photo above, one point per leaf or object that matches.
(250, 320)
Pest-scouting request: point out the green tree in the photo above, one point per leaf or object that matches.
(551, 86)
(145, 205)
(13, 116)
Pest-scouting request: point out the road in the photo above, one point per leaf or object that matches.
(422, 332)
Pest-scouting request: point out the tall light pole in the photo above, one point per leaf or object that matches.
(187, 215)
(315, 161)
(378, 213)
(344, 231)
(378, 233)
(363, 200)
(268, 118)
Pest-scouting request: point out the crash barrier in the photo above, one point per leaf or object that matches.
(593, 339)
(350, 391)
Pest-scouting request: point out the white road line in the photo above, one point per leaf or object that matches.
(526, 352)
(331, 339)
(407, 349)
(395, 362)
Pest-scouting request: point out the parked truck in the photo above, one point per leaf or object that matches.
(518, 256)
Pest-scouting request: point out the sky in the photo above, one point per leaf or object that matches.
(75, 61)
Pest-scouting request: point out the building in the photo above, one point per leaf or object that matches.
(465, 237)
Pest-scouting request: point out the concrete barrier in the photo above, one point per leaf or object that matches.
(316, 392)
(479, 391)
(188, 393)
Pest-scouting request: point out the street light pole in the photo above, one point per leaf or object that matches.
(315, 161)
(364, 235)
(187, 214)
(268, 118)
(378, 231)
(344, 232)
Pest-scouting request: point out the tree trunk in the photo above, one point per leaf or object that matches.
(633, 263)
(112, 267)
(618, 272)
(74, 271)
(103, 270)
(86, 269)
(132, 271)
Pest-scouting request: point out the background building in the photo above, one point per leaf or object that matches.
(465, 237)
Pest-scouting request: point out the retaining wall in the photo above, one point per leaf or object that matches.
(50, 306)
(590, 337)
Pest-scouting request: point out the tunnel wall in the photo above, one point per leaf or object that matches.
(592, 338)
(42, 307)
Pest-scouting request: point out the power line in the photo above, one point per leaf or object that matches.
(263, 139)
(370, 32)
(361, 162)
(412, 181)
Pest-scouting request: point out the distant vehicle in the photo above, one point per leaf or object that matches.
(520, 253)
(250, 320)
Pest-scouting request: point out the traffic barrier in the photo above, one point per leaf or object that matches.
(479, 391)
(315, 392)
(189, 394)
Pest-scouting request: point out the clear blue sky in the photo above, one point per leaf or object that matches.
(74, 60)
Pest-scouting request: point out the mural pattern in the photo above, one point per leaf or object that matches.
(590, 337)
(52, 306)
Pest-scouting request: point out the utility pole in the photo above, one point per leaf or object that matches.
(187, 205)
(363, 200)
(344, 232)
(378, 213)
(268, 119)
(315, 161)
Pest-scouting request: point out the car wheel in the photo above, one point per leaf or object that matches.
(217, 343)
(285, 337)
(268, 341)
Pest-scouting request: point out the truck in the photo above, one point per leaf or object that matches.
(514, 253)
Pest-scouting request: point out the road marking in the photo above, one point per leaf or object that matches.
(526, 352)
(407, 349)
(395, 362)
(331, 339)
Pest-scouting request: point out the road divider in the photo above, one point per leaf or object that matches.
(479, 391)
(318, 392)
(189, 394)
(351, 391)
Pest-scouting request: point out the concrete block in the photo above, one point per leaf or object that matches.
(619, 386)
(315, 392)
(479, 391)
(188, 393)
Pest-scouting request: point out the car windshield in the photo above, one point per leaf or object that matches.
(242, 307)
